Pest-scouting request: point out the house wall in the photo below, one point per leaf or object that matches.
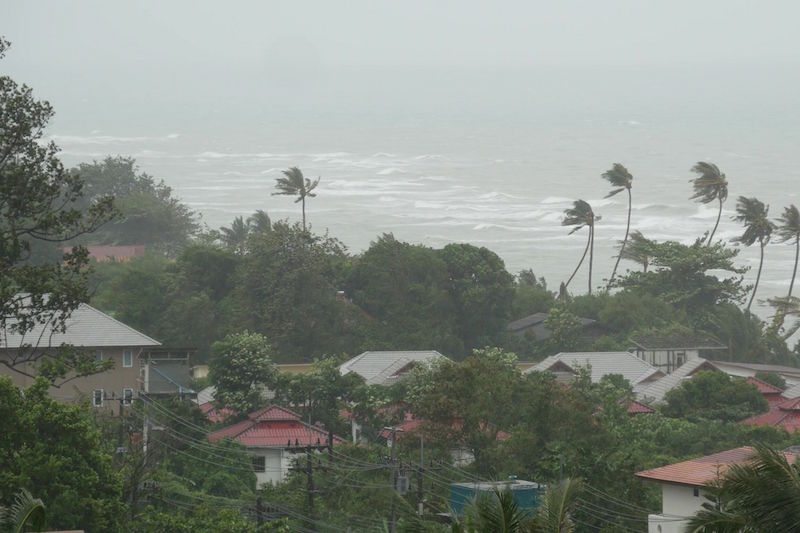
(112, 381)
(277, 464)
(676, 501)
(667, 360)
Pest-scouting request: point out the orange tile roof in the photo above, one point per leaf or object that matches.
(785, 414)
(638, 408)
(703, 471)
(764, 387)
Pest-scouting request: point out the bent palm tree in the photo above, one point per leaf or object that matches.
(639, 250)
(259, 222)
(235, 237)
(762, 495)
(789, 229)
(758, 228)
(581, 215)
(709, 186)
(294, 184)
(26, 512)
(620, 178)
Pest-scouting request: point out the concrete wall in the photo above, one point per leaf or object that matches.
(677, 501)
(277, 464)
(112, 381)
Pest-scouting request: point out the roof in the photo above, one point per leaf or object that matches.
(632, 368)
(385, 368)
(638, 408)
(764, 387)
(677, 341)
(703, 471)
(169, 377)
(789, 373)
(535, 323)
(792, 392)
(655, 391)
(86, 326)
(213, 414)
(785, 414)
(274, 427)
(103, 252)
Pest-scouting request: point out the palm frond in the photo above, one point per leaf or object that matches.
(26, 512)
(710, 185)
(618, 176)
(789, 224)
(755, 216)
(555, 512)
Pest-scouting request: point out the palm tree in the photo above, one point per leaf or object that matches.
(758, 228)
(789, 229)
(26, 512)
(621, 179)
(709, 186)
(638, 251)
(235, 237)
(495, 512)
(259, 222)
(294, 184)
(555, 512)
(580, 215)
(761, 495)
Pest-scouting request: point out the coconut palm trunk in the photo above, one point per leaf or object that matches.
(591, 256)
(624, 241)
(716, 225)
(758, 277)
(303, 202)
(794, 271)
(585, 251)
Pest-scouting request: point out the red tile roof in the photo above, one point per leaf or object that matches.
(785, 414)
(274, 427)
(703, 471)
(213, 414)
(638, 408)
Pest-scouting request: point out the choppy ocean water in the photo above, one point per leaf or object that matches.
(465, 160)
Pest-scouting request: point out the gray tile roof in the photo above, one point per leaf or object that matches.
(632, 368)
(677, 341)
(535, 324)
(86, 326)
(384, 368)
(655, 392)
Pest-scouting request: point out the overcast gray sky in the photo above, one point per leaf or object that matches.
(88, 34)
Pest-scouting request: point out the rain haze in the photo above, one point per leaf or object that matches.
(437, 121)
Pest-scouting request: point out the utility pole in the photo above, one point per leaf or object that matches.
(392, 519)
(310, 474)
(420, 470)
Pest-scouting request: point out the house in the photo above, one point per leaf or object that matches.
(784, 414)
(771, 393)
(92, 332)
(565, 366)
(532, 327)
(668, 351)
(638, 408)
(386, 368)
(655, 391)
(275, 437)
(683, 486)
(167, 372)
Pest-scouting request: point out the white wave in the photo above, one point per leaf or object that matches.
(106, 139)
(494, 195)
(430, 157)
(229, 155)
(390, 170)
(383, 154)
(556, 200)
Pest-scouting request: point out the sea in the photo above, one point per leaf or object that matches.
(487, 157)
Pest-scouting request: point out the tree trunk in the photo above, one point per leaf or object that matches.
(713, 231)
(781, 315)
(758, 278)
(585, 250)
(591, 255)
(303, 202)
(624, 241)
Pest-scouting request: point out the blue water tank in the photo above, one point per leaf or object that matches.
(527, 494)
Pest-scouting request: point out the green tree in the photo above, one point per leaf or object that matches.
(565, 330)
(235, 237)
(496, 512)
(789, 230)
(710, 185)
(760, 495)
(580, 215)
(714, 395)
(556, 512)
(241, 369)
(758, 227)
(259, 221)
(772, 378)
(481, 290)
(622, 180)
(294, 184)
(40, 207)
(56, 451)
(149, 213)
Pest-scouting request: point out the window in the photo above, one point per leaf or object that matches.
(696, 492)
(259, 463)
(127, 396)
(127, 358)
(97, 397)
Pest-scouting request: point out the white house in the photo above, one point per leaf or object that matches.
(274, 436)
(668, 352)
(565, 366)
(683, 486)
(388, 367)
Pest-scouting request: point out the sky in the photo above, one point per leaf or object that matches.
(156, 36)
